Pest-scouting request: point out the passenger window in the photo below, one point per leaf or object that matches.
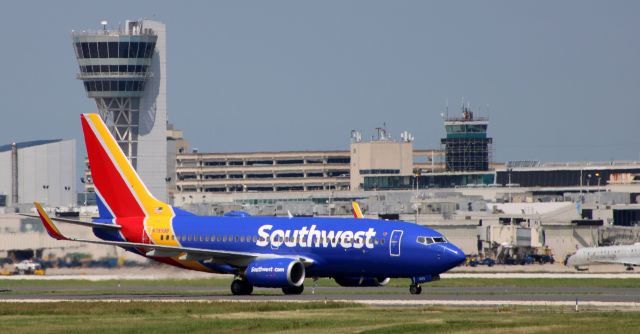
(255, 238)
(206, 238)
(382, 241)
(189, 237)
(224, 239)
(201, 239)
(242, 238)
(161, 237)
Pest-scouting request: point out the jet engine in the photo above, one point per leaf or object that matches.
(275, 273)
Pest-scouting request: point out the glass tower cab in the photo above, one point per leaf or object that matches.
(467, 147)
(124, 71)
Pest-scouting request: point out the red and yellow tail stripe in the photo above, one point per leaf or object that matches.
(141, 215)
(51, 228)
(355, 209)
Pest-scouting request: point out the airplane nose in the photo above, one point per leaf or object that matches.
(454, 256)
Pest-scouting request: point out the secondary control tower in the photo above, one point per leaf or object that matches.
(124, 71)
(467, 147)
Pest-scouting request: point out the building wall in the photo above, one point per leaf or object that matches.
(376, 156)
(152, 138)
(5, 175)
(51, 165)
(262, 172)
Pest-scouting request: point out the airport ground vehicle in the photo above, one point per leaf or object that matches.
(475, 261)
(27, 267)
(542, 259)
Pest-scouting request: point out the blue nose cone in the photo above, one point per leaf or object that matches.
(453, 256)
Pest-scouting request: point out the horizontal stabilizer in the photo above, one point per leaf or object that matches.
(77, 222)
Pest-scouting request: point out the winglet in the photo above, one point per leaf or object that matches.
(51, 228)
(355, 209)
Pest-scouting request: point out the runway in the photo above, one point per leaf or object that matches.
(598, 297)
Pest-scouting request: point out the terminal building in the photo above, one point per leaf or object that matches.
(124, 71)
(200, 175)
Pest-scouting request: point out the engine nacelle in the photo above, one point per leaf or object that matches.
(362, 281)
(275, 273)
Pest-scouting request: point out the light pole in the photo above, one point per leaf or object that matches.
(598, 188)
(85, 193)
(45, 188)
(509, 170)
(66, 189)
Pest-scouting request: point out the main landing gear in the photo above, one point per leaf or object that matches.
(415, 289)
(293, 290)
(240, 287)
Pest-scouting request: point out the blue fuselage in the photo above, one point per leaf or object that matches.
(337, 246)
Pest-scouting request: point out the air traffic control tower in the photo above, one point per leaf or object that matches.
(124, 71)
(467, 147)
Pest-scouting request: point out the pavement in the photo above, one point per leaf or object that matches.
(625, 299)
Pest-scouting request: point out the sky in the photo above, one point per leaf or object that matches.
(560, 80)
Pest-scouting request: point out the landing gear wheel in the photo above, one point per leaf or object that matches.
(241, 287)
(293, 290)
(415, 289)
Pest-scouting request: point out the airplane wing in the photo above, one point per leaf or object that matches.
(240, 259)
(355, 209)
(72, 221)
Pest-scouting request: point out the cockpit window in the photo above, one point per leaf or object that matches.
(430, 240)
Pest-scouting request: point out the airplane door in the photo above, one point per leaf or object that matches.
(394, 243)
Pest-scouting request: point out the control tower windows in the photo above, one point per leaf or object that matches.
(114, 85)
(114, 50)
(93, 50)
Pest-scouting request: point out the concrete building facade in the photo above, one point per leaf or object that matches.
(43, 171)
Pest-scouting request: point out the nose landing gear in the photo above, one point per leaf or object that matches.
(415, 289)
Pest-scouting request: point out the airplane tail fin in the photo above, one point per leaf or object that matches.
(121, 192)
(355, 209)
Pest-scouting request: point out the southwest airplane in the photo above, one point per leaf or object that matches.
(628, 255)
(271, 252)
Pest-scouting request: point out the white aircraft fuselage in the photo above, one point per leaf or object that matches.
(628, 255)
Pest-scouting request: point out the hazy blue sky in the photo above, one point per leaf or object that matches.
(560, 80)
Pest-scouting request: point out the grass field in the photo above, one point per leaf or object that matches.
(314, 317)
